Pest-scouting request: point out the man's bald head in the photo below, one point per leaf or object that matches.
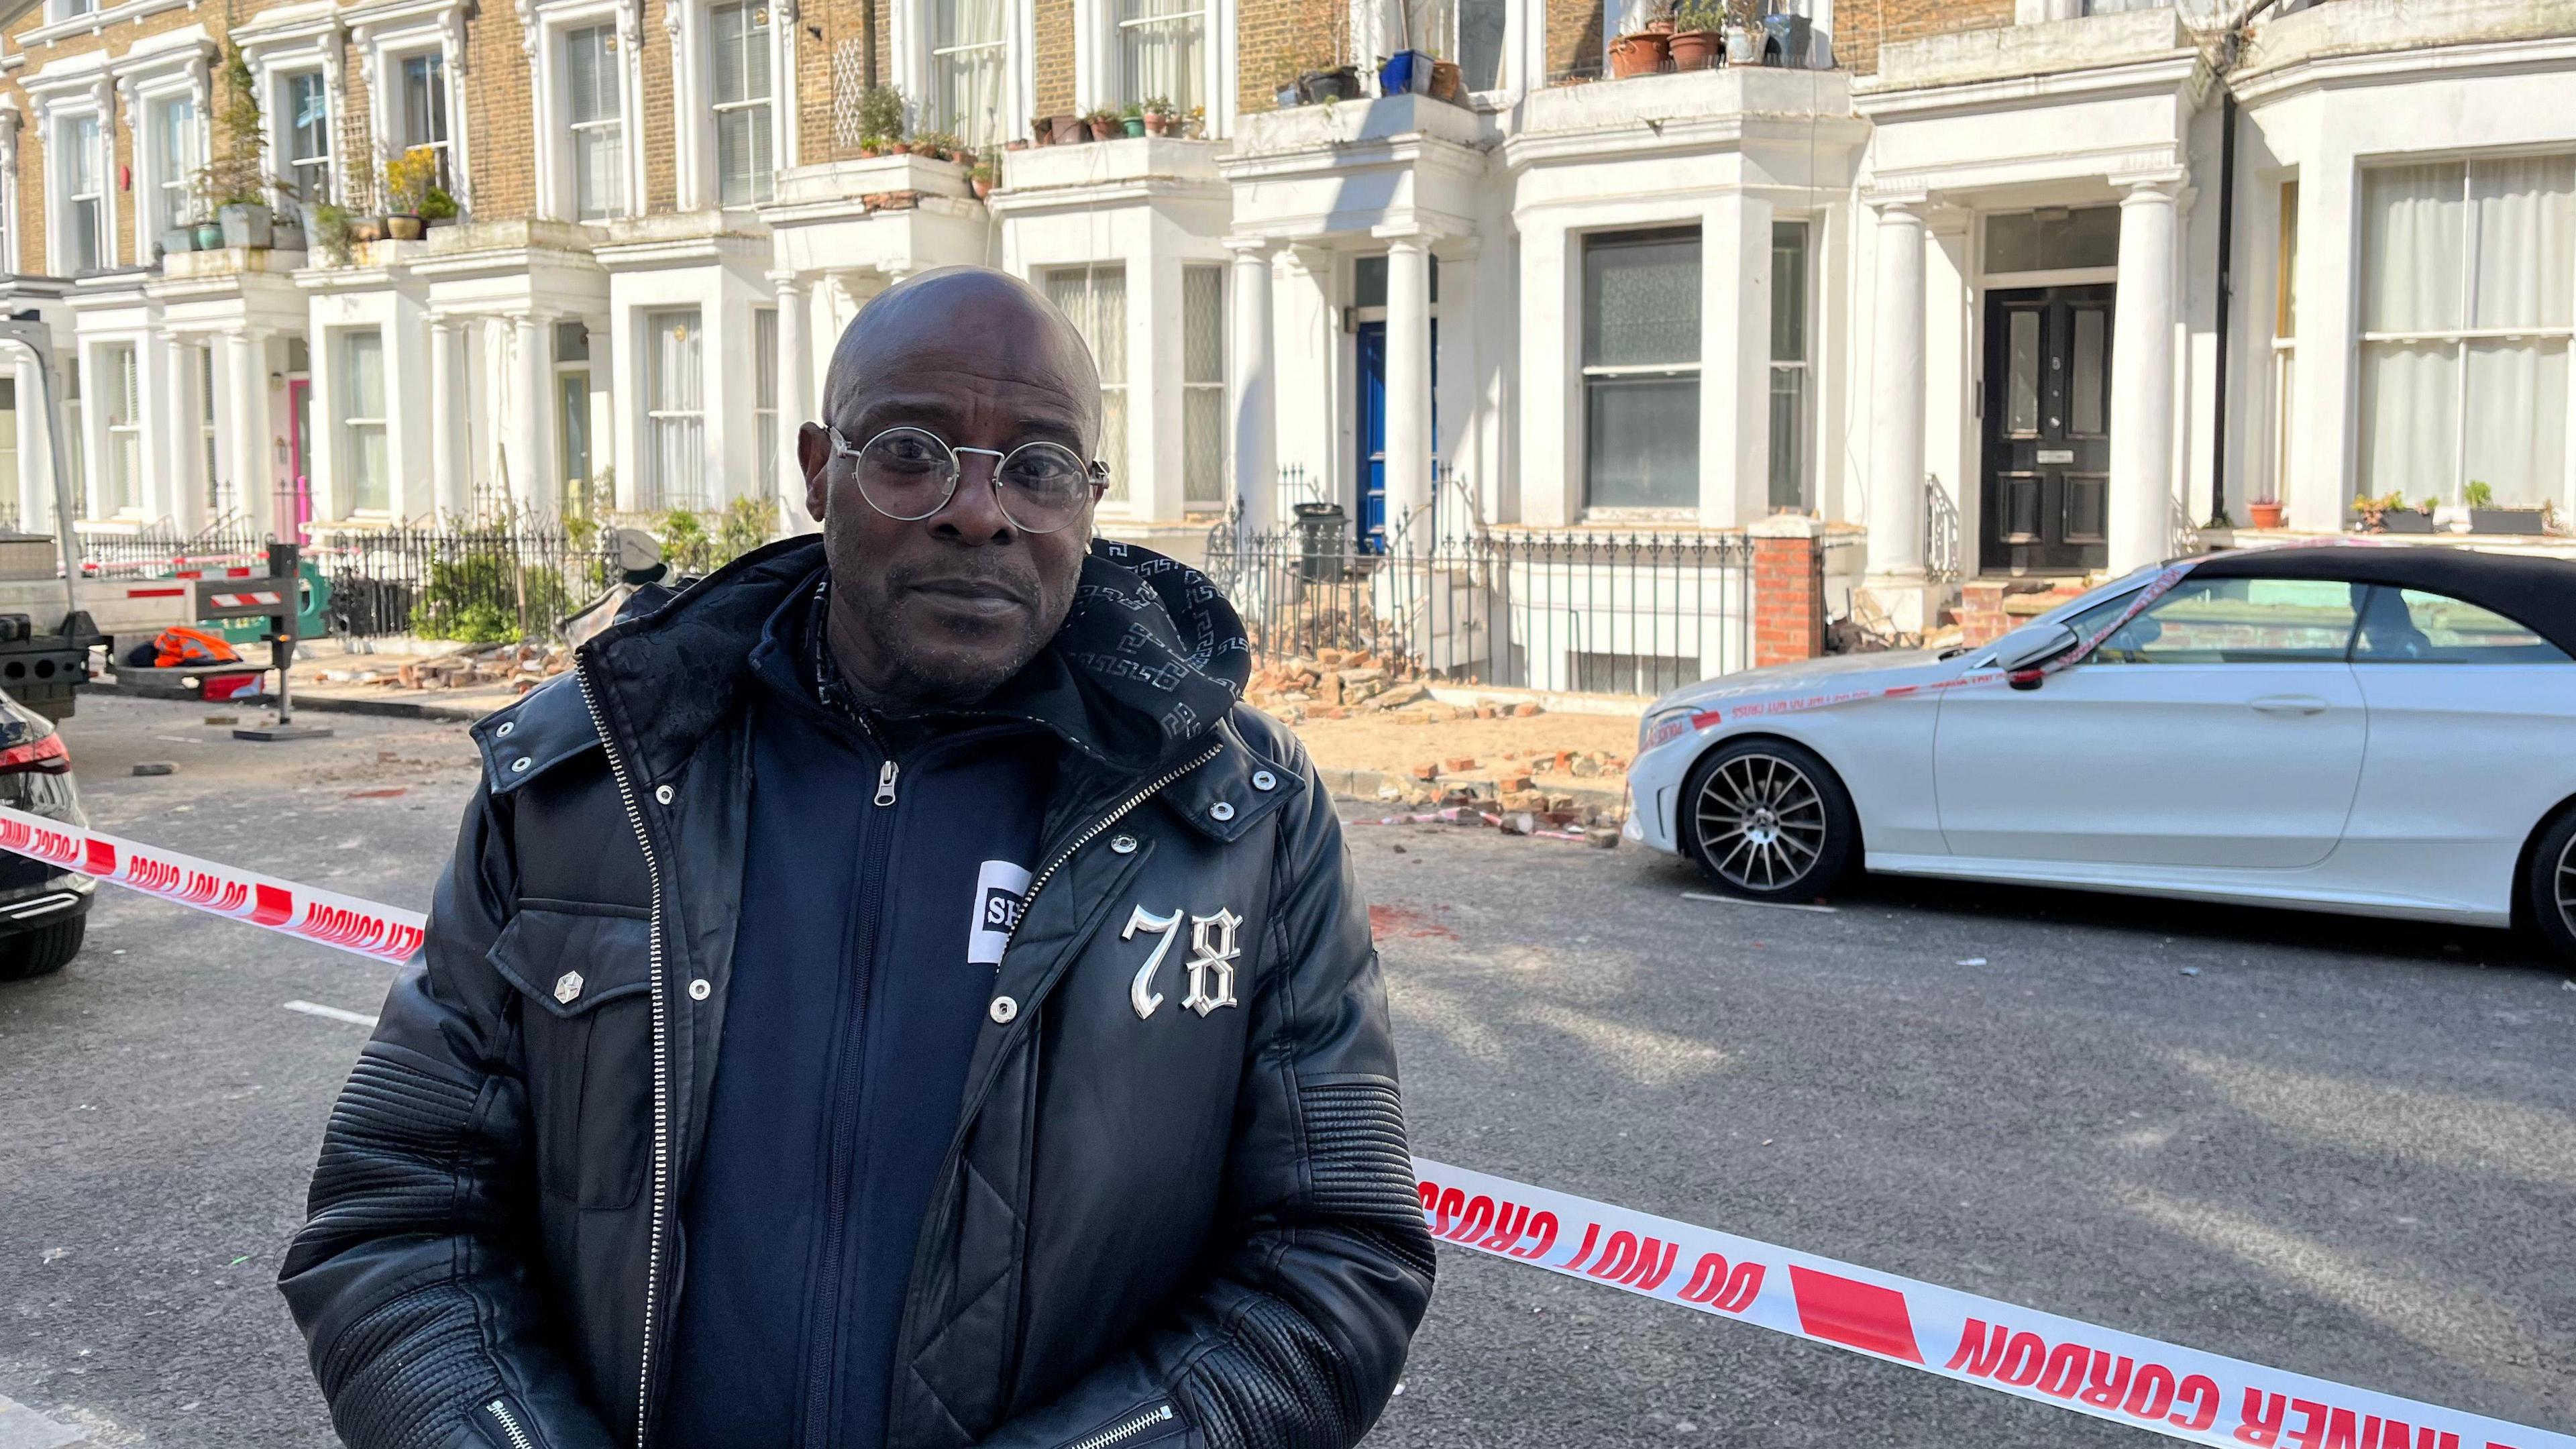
(958, 308)
(942, 609)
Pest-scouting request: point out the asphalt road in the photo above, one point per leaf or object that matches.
(2342, 1147)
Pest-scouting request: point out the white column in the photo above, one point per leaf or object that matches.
(532, 467)
(1249, 402)
(2142, 379)
(1456, 373)
(1734, 361)
(1408, 379)
(1551, 369)
(1304, 335)
(254, 481)
(35, 459)
(181, 441)
(446, 479)
(795, 398)
(1896, 401)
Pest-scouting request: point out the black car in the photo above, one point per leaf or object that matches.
(44, 909)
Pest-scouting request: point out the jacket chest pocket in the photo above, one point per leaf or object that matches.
(584, 974)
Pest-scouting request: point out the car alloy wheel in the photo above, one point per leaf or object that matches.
(1763, 823)
(2548, 886)
(2566, 885)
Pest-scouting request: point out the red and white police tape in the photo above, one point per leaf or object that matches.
(2179, 1392)
(381, 932)
(2182, 1393)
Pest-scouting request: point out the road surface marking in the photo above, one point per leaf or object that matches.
(1767, 905)
(24, 1428)
(330, 1013)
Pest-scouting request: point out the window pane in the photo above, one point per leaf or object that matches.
(2231, 621)
(743, 171)
(2285, 310)
(308, 117)
(2409, 418)
(674, 449)
(2406, 626)
(2090, 375)
(1108, 336)
(2517, 422)
(1641, 300)
(1789, 437)
(2526, 212)
(424, 99)
(1162, 57)
(1202, 324)
(2414, 230)
(968, 90)
(1789, 291)
(1641, 442)
(1480, 43)
(2036, 241)
(1203, 445)
(599, 172)
(2021, 371)
(363, 375)
(590, 76)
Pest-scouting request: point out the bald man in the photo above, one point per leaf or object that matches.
(891, 993)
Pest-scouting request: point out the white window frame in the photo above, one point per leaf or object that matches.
(309, 41)
(1804, 433)
(121, 495)
(1198, 388)
(352, 426)
(60, 250)
(1099, 61)
(298, 172)
(1578, 247)
(939, 53)
(2459, 338)
(169, 180)
(693, 131)
(766, 13)
(550, 108)
(653, 491)
(915, 68)
(1123, 498)
(384, 40)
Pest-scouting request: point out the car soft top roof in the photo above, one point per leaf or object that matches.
(2536, 592)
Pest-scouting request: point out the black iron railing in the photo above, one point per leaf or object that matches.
(495, 583)
(1574, 609)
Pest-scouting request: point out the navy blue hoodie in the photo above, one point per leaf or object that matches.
(875, 906)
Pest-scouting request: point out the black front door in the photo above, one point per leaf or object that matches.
(2047, 430)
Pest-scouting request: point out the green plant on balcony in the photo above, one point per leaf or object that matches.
(335, 231)
(1157, 114)
(880, 119)
(233, 176)
(409, 179)
(438, 206)
(1104, 124)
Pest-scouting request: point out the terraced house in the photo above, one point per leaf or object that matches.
(1995, 287)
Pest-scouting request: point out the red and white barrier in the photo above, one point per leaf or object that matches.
(380, 932)
(2182, 1393)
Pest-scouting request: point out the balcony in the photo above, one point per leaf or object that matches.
(2028, 52)
(2333, 29)
(1727, 94)
(863, 184)
(1312, 128)
(1128, 164)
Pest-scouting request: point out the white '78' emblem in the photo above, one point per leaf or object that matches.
(1213, 951)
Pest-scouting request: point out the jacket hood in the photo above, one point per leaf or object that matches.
(1149, 658)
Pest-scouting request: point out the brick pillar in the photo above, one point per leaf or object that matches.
(1788, 590)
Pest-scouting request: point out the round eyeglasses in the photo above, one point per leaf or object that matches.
(910, 473)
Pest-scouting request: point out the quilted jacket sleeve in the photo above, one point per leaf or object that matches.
(1296, 1337)
(411, 1277)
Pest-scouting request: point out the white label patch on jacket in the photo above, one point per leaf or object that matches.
(1001, 890)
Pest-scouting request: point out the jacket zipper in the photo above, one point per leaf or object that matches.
(661, 1048)
(510, 1425)
(823, 1366)
(1120, 1433)
(1093, 833)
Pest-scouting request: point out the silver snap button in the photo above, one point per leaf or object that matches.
(1003, 1009)
(1264, 780)
(1123, 844)
(662, 793)
(503, 732)
(519, 764)
(1221, 811)
(699, 990)
(567, 986)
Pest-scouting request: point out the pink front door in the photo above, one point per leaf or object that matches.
(297, 502)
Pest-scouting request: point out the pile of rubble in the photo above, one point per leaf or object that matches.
(1517, 784)
(521, 667)
(1343, 683)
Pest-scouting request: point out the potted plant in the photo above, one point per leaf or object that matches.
(2486, 517)
(286, 230)
(232, 183)
(1448, 82)
(2391, 514)
(1158, 115)
(1407, 72)
(1743, 34)
(981, 176)
(1068, 131)
(1334, 83)
(180, 238)
(2266, 512)
(438, 208)
(1041, 130)
(1699, 34)
(1194, 125)
(1639, 52)
(335, 231)
(408, 178)
(1104, 124)
(880, 121)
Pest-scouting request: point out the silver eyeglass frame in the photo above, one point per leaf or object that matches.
(1095, 472)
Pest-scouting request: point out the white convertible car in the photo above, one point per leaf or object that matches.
(2381, 731)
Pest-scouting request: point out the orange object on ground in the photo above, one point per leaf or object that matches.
(181, 646)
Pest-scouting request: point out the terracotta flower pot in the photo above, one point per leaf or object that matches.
(1642, 53)
(2266, 515)
(983, 186)
(1068, 130)
(1107, 128)
(1156, 123)
(899, 148)
(1696, 49)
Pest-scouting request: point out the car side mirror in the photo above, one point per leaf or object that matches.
(2021, 663)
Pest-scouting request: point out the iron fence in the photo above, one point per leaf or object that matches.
(491, 583)
(1577, 609)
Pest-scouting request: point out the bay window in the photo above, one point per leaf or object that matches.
(1095, 298)
(594, 113)
(745, 172)
(674, 411)
(968, 73)
(2468, 302)
(362, 421)
(304, 121)
(1162, 52)
(1641, 369)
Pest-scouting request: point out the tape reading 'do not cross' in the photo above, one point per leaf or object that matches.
(2182, 1393)
(2179, 1392)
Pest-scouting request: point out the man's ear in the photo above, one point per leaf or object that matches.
(814, 455)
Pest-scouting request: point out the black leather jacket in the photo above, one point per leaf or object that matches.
(1200, 1230)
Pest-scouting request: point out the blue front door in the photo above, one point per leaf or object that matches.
(1372, 400)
